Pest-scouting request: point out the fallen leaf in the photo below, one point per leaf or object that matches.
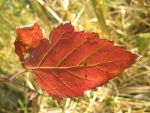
(70, 62)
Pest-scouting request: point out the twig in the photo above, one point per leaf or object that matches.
(50, 10)
(11, 77)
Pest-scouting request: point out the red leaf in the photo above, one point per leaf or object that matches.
(75, 61)
(27, 38)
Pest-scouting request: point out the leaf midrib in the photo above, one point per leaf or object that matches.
(71, 67)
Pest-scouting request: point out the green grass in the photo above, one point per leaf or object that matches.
(126, 23)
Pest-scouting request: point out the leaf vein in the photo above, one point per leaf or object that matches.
(71, 52)
(84, 59)
(59, 78)
(46, 53)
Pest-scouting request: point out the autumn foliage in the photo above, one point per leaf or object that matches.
(70, 62)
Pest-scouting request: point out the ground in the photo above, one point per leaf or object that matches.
(126, 22)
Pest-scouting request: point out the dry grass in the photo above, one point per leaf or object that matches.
(126, 22)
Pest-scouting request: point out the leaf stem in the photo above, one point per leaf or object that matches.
(11, 77)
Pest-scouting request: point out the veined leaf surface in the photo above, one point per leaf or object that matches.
(71, 62)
